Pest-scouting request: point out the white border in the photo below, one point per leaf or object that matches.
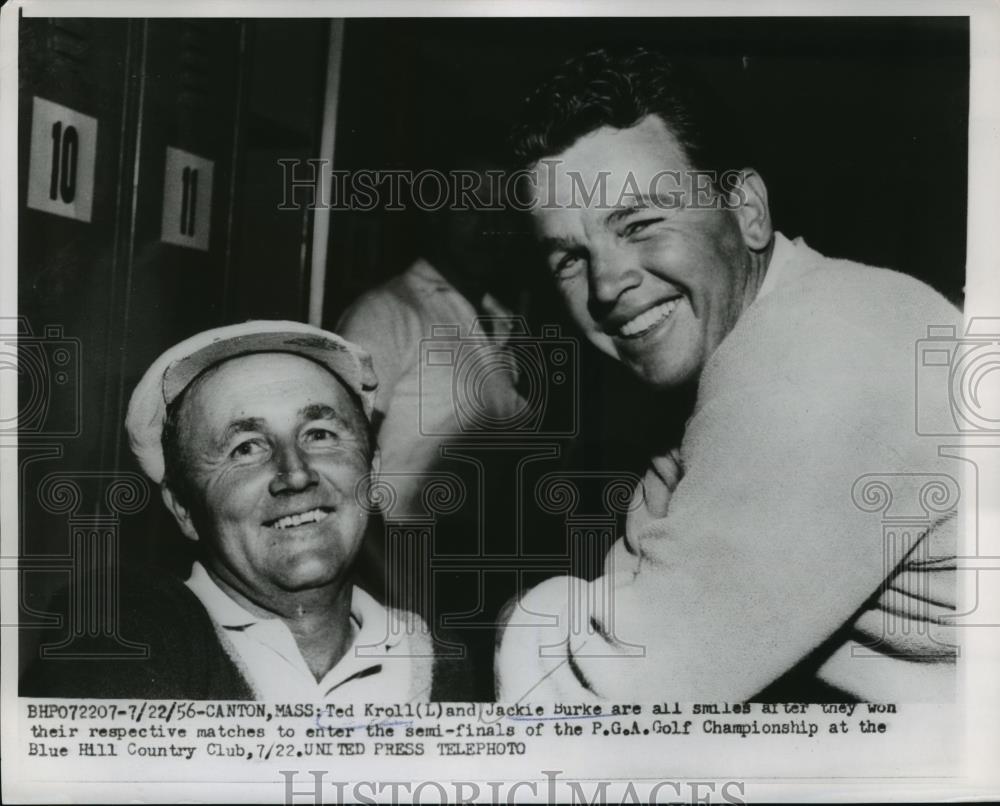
(503, 8)
(982, 705)
(8, 392)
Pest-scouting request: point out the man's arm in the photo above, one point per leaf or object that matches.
(380, 323)
(762, 554)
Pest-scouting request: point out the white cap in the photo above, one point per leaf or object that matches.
(173, 372)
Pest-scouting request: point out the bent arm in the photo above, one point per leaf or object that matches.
(763, 553)
(380, 323)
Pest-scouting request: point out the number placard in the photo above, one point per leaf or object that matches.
(61, 165)
(187, 199)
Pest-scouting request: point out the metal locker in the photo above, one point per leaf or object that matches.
(74, 159)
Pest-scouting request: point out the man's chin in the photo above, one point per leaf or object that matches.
(661, 361)
(660, 376)
(310, 574)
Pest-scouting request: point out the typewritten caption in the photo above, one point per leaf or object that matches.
(265, 732)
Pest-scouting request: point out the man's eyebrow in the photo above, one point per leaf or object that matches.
(239, 426)
(553, 243)
(320, 411)
(314, 411)
(323, 411)
(657, 202)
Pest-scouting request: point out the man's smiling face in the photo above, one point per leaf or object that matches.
(274, 447)
(654, 283)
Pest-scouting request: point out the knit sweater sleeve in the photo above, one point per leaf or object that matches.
(763, 553)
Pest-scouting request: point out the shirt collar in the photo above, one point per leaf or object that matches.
(780, 257)
(222, 608)
(378, 625)
(789, 258)
(367, 614)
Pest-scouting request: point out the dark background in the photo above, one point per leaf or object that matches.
(859, 127)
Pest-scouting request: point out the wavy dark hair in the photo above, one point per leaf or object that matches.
(618, 87)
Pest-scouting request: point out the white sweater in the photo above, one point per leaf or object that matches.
(772, 540)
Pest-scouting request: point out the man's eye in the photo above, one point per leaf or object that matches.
(567, 263)
(320, 435)
(638, 226)
(250, 447)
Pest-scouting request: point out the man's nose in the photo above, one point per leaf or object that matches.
(610, 274)
(293, 472)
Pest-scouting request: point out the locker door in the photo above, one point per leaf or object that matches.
(186, 135)
(116, 268)
(182, 234)
(282, 116)
(77, 108)
(139, 227)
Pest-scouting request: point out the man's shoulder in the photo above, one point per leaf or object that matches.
(830, 323)
(826, 301)
(158, 642)
(850, 289)
(400, 298)
(394, 298)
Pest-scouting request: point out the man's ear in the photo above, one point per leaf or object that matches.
(180, 512)
(749, 200)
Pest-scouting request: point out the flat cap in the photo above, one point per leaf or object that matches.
(173, 372)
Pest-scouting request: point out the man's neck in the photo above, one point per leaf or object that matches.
(319, 618)
(323, 635)
(757, 266)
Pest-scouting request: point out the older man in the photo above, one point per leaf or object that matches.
(259, 437)
(747, 570)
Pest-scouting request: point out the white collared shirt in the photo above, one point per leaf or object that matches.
(388, 658)
(420, 399)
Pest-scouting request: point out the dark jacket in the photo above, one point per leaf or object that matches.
(183, 656)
